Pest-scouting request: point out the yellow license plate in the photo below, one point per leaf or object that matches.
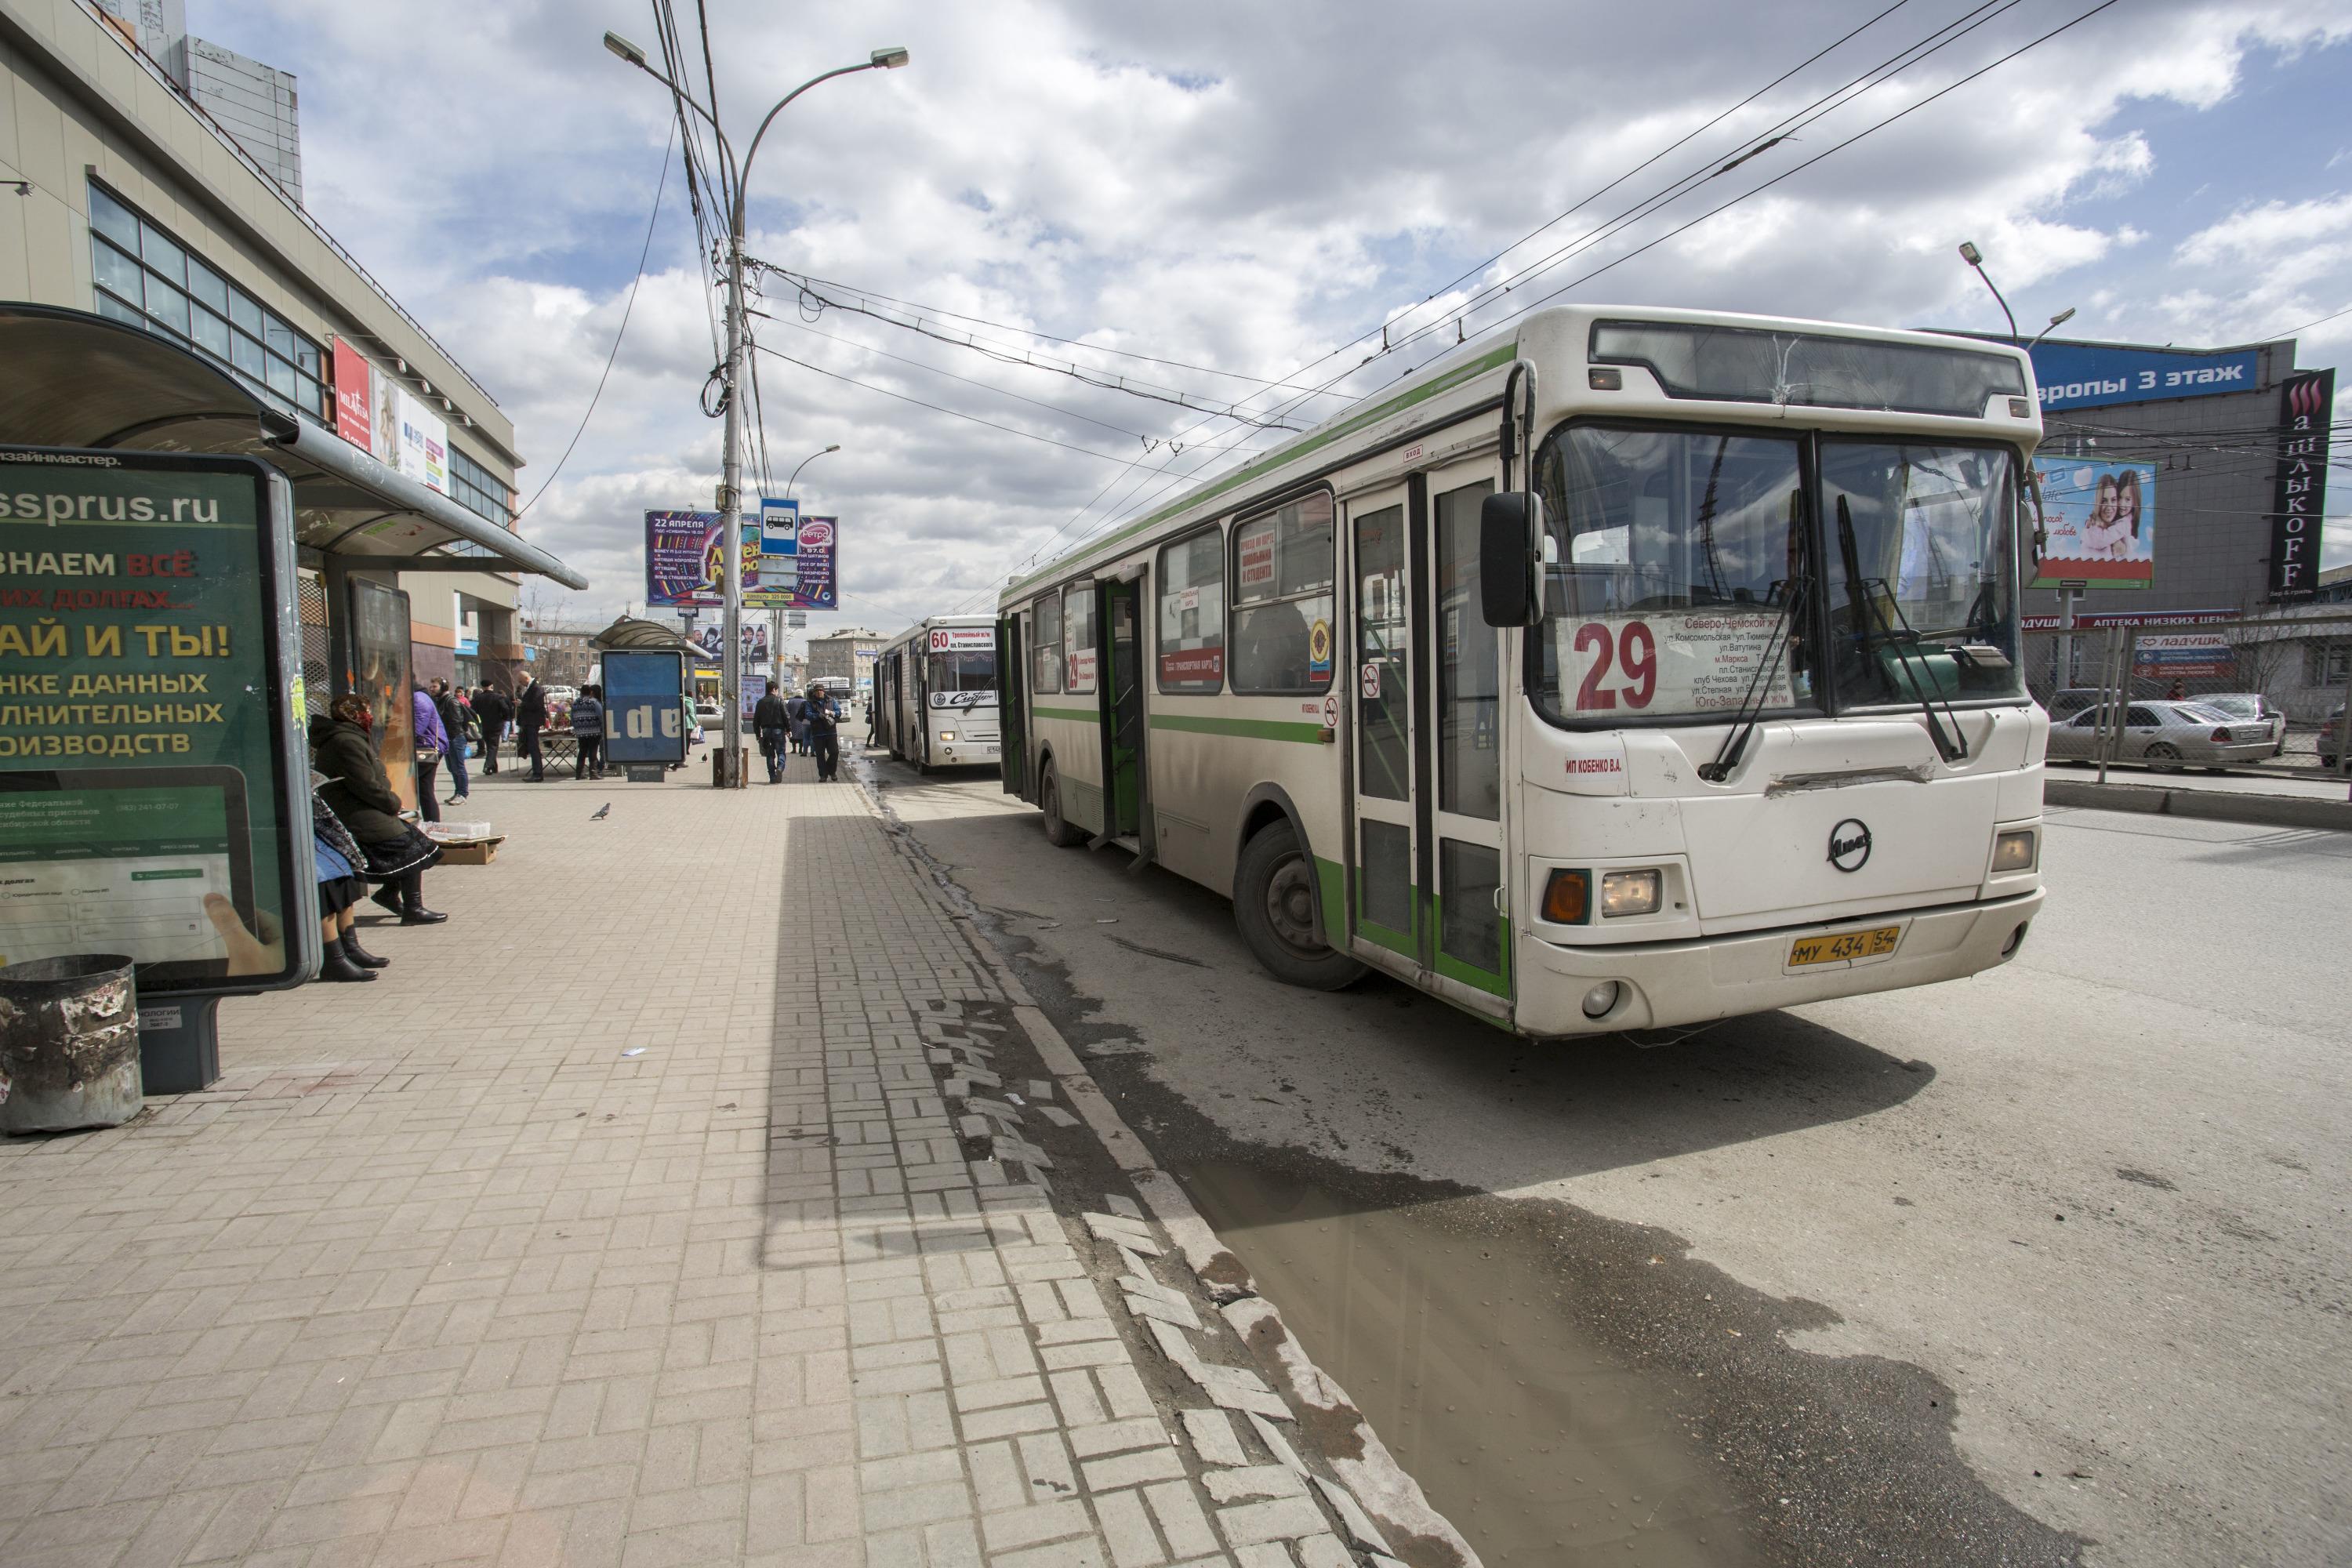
(1877, 942)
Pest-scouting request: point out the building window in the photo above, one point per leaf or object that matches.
(147, 278)
(1282, 600)
(1192, 615)
(478, 491)
(1045, 655)
(2326, 663)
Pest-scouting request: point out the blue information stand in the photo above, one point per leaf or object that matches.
(645, 716)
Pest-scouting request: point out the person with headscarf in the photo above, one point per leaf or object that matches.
(356, 788)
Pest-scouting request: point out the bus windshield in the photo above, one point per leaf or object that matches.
(1682, 579)
(963, 679)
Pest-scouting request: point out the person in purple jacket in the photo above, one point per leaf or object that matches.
(432, 741)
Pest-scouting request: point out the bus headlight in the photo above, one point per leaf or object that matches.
(1628, 893)
(1601, 1000)
(946, 734)
(2012, 851)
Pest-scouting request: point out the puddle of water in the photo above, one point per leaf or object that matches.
(1537, 1445)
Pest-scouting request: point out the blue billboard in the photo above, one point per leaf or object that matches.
(2092, 375)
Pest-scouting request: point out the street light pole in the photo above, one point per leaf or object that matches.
(730, 476)
(1975, 257)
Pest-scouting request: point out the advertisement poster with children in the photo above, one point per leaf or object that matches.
(2100, 523)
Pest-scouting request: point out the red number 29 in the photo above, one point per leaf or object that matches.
(1636, 650)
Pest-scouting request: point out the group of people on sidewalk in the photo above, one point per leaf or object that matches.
(809, 726)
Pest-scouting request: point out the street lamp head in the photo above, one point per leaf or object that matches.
(2062, 317)
(626, 49)
(1970, 254)
(888, 59)
(836, 446)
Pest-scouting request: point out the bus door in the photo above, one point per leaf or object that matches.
(1119, 619)
(1429, 847)
(919, 703)
(1011, 709)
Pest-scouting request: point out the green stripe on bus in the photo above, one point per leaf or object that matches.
(1083, 715)
(1248, 729)
(1494, 359)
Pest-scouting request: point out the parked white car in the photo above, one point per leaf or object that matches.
(2163, 736)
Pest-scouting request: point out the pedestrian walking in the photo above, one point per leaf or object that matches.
(452, 709)
(823, 726)
(358, 792)
(530, 718)
(588, 733)
(772, 722)
(432, 745)
(492, 709)
(796, 717)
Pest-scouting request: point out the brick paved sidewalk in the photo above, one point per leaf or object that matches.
(625, 1221)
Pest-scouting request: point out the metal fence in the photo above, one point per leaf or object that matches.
(2265, 698)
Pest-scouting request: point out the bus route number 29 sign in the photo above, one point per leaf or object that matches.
(1693, 662)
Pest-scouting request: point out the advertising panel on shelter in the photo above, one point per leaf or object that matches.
(2093, 375)
(149, 797)
(686, 560)
(2098, 524)
(644, 722)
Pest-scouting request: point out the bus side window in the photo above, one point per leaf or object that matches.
(1046, 659)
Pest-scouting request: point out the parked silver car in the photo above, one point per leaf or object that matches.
(2163, 736)
(2247, 708)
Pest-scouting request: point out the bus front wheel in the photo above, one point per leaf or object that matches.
(1274, 904)
(1059, 833)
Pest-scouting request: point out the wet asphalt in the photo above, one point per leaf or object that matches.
(2045, 1266)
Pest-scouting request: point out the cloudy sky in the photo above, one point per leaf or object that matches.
(1239, 191)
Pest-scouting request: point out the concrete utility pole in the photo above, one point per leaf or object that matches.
(730, 477)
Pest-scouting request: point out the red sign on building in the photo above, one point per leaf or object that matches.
(353, 414)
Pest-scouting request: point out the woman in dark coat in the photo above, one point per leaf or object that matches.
(343, 742)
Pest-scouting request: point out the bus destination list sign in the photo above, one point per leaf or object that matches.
(146, 732)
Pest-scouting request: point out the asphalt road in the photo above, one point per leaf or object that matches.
(2045, 1266)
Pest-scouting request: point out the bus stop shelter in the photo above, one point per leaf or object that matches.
(68, 378)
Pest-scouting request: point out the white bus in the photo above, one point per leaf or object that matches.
(934, 701)
(1648, 668)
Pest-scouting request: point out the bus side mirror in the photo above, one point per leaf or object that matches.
(1510, 558)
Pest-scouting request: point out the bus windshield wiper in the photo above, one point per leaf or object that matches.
(1760, 685)
(1950, 743)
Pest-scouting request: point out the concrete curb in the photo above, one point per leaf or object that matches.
(2207, 804)
(1380, 1502)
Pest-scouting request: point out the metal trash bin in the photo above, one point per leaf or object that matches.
(68, 1043)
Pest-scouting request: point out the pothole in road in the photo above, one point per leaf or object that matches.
(1539, 1446)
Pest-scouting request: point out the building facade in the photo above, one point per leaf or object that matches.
(846, 655)
(2202, 473)
(141, 204)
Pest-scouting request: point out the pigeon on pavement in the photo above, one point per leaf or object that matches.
(601, 812)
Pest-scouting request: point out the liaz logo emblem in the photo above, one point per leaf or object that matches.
(1850, 845)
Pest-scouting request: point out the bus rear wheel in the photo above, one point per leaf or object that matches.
(1059, 833)
(1274, 904)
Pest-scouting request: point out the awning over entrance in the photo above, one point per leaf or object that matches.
(71, 379)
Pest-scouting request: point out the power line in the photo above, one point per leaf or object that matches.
(1025, 331)
(619, 333)
(951, 412)
(1155, 394)
(1149, 442)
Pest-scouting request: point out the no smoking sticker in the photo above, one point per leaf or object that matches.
(1369, 682)
(1331, 711)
